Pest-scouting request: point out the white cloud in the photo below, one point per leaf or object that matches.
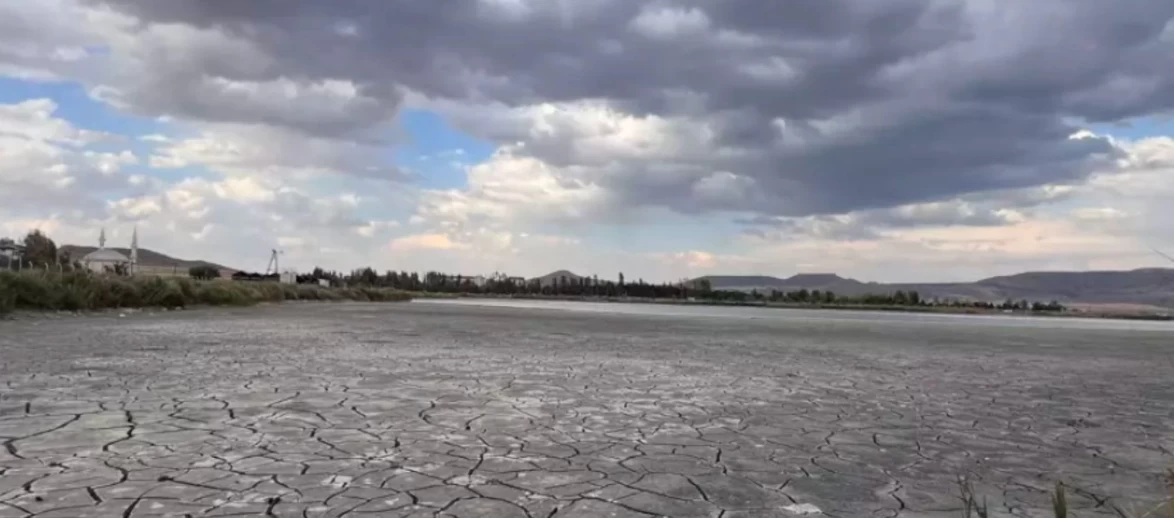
(110, 163)
(235, 149)
(371, 228)
(34, 120)
(661, 22)
(245, 190)
(513, 189)
(422, 242)
(46, 161)
(774, 69)
(236, 220)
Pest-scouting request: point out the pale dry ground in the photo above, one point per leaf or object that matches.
(1121, 309)
(453, 410)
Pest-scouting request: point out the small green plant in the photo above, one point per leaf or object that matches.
(1059, 501)
(971, 508)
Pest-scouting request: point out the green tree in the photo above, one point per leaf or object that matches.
(66, 259)
(703, 285)
(39, 250)
(204, 272)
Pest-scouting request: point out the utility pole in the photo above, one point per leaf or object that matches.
(273, 267)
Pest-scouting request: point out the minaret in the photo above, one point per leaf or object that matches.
(134, 251)
(102, 239)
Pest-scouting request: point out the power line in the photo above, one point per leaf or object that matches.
(1163, 254)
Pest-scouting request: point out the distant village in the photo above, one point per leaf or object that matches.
(38, 251)
(32, 253)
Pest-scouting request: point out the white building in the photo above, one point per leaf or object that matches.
(10, 249)
(104, 259)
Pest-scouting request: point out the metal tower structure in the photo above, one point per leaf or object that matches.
(272, 268)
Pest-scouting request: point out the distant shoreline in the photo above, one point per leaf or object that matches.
(784, 305)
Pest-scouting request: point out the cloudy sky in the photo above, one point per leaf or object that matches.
(929, 140)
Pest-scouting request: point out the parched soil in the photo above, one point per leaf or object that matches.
(456, 410)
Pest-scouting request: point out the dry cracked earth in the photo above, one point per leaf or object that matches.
(450, 410)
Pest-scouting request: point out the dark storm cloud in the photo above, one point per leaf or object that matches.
(880, 103)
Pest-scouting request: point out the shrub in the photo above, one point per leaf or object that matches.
(268, 292)
(384, 295)
(159, 292)
(32, 291)
(308, 292)
(223, 293)
(76, 291)
(7, 293)
(118, 292)
(332, 295)
(187, 288)
(204, 272)
(74, 297)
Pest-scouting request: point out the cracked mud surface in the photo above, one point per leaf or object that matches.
(460, 411)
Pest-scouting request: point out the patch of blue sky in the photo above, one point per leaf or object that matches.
(1139, 128)
(75, 105)
(435, 152)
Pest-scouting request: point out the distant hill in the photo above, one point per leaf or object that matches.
(809, 281)
(553, 278)
(147, 258)
(1151, 286)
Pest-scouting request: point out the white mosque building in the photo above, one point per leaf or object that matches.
(106, 259)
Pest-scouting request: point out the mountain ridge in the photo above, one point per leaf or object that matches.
(1153, 286)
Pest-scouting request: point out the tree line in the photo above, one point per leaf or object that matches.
(699, 289)
(40, 251)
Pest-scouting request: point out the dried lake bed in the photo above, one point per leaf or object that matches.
(534, 409)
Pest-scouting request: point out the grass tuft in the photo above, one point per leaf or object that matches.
(971, 508)
(1059, 501)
